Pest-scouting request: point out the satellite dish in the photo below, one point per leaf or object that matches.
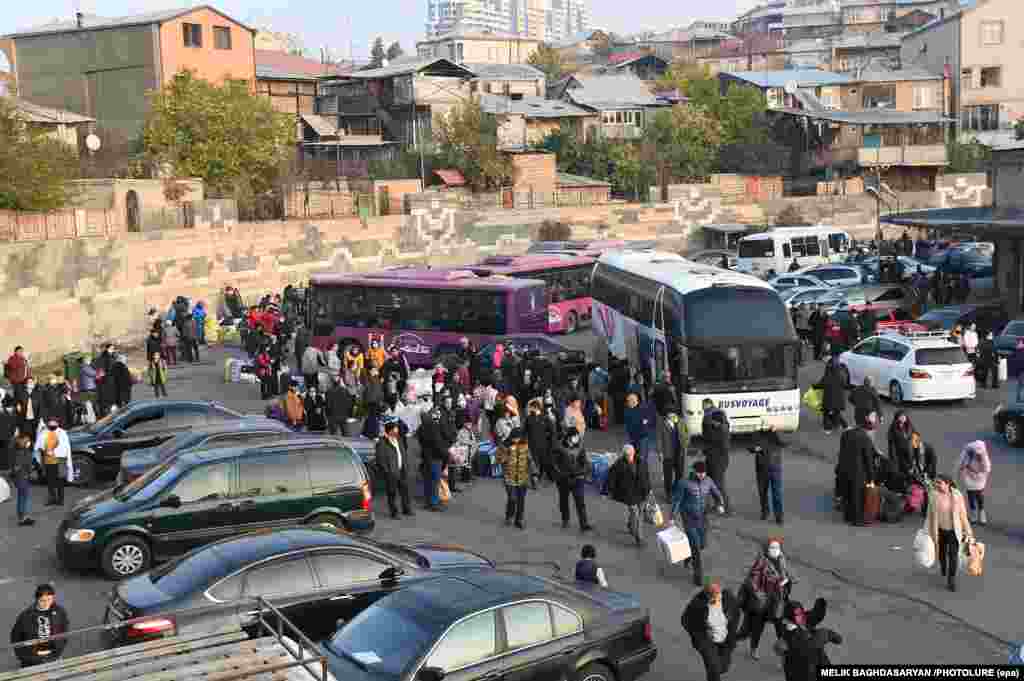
(92, 143)
(790, 87)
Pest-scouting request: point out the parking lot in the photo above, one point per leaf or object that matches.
(885, 609)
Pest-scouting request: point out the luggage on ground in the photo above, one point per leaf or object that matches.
(924, 549)
(872, 503)
(675, 547)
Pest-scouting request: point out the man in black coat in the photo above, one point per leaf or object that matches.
(629, 485)
(568, 468)
(122, 376)
(434, 452)
(856, 467)
(802, 643)
(833, 398)
(41, 620)
(865, 400)
(339, 407)
(393, 461)
(818, 321)
(988, 362)
(712, 643)
(715, 433)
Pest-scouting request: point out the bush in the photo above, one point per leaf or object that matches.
(790, 216)
(551, 230)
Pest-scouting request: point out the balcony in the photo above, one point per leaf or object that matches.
(925, 155)
(621, 131)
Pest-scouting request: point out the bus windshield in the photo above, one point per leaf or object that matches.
(718, 369)
(757, 248)
(715, 315)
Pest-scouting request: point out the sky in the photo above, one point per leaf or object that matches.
(323, 23)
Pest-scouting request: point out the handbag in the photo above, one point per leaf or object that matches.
(443, 493)
(652, 512)
(975, 559)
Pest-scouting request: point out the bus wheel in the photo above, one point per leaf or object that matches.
(572, 323)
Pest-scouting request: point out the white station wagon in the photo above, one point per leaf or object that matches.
(911, 367)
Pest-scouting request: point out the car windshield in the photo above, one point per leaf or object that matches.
(383, 639)
(142, 488)
(1014, 329)
(184, 575)
(939, 356)
(172, 445)
(100, 424)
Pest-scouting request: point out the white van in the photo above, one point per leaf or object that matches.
(776, 248)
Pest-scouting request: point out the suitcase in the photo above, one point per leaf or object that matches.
(872, 504)
(675, 547)
(892, 506)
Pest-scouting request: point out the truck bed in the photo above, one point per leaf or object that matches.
(223, 656)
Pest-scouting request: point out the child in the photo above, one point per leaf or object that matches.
(158, 374)
(587, 569)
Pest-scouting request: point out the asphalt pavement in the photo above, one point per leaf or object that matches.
(886, 610)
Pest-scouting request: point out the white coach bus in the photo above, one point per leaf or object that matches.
(719, 335)
(776, 248)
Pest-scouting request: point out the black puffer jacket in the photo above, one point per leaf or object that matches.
(695, 619)
(570, 463)
(628, 483)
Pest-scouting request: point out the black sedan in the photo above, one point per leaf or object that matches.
(988, 317)
(96, 449)
(491, 624)
(1008, 420)
(213, 586)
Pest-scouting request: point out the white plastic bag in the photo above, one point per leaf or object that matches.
(924, 549)
(675, 547)
(5, 490)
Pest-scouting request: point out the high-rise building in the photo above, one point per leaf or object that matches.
(546, 20)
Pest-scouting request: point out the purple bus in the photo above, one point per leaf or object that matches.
(424, 311)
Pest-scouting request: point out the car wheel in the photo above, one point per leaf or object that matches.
(1012, 431)
(85, 471)
(125, 557)
(844, 376)
(328, 519)
(895, 393)
(572, 323)
(595, 672)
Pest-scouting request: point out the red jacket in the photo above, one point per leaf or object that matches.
(16, 369)
(263, 364)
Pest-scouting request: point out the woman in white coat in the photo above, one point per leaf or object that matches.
(975, 467)
(949, 527)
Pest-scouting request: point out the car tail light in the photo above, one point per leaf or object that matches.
(367, 496)
(648, 632)
(917, 373)
(149, 627)
(969, 372)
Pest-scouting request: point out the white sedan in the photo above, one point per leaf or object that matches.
(911, 367)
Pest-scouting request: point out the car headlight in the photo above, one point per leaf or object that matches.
(79, 536)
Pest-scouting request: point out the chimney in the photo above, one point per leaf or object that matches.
(78, 19)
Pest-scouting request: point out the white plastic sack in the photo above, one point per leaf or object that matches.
(1003, 369)
(5, 490)
(674, 545)
(924, 549)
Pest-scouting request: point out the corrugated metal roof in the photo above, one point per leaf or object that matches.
(94, 22)
(568, 180)
(802, 77)
(530, 107)
(451, 177)
(610, 92)
(895, 75)
(505, 71)
(406, 67)
(36, 113)
(322, 126)
(871, 117)
(876, 39)
(284, 66)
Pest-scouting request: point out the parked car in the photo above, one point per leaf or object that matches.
(136, 462)
(1008, 339)
(213, 586)
(911, 367)
(1008, 420)
(566, 360)
(906, 265)
(957, 260)
(839, 275)
(201, 496)
(96, 449)
(988, 317)
(886, 320)
(790, 281)
(798, 296)
(473, 625)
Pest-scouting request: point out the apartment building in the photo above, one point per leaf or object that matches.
(810, 19)
(870, 16)
(545, 20)
(102, 68)
(465, 46)
(980, 50)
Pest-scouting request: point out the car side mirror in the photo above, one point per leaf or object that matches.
(173, 501)
(430, 674)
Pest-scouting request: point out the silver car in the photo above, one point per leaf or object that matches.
(798, 296)
(789, 281)
(837, 275)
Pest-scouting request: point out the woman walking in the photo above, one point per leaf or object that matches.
(833, 398)
(901, 432)
(711, 619)
(766, 591)
(21, 473)
(975, 467)
(515, 462)
(157, 374)
(509, 420)
(948, 525)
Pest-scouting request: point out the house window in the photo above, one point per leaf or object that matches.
(222, 37)
(980, 118)
(193, 34)
(991, 76)
(991, 33)
(966, 79)
(458, 53)
(923, 97)
(487, 88)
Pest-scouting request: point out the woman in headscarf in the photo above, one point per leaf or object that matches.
(765, 592)
(975, 467)
(901, 456)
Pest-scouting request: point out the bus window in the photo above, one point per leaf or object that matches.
(757, 248)
(837, 243)
(812, 246)
(787, 252)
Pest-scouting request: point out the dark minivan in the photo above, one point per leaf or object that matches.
(206, 495)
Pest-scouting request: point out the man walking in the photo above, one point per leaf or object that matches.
(689, 509)
(715, 433)
(393, 459)
(42, 620)
(673, 441)
(629, 485)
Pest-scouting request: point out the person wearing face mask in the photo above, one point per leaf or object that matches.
(802, 643)
(516, 465)
(689, 504)
(711, 619)
(765, 593)
(855, 468)
(569, 466)
(21, 474)
(715, 432)
(43, 620)
(53, 448)
(29, 408)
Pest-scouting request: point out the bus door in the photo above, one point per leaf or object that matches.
(659, 359)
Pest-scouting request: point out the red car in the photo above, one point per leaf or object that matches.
(887, 319)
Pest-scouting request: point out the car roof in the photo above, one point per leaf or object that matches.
(248, 423)
(287, 441)
(142, 404)
(464, 591)
(922, 340)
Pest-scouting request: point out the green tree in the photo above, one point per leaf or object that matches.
(231, 138)
(548, 60)
(377, 53)
(683, 143)
(34, 168)
(394, 51)
(468, 140)
(740, 111)
(680, 73)
(968, 157)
